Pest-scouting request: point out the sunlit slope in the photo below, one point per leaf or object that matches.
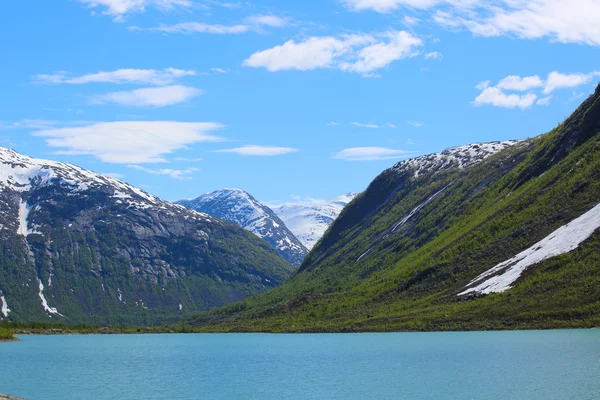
(412, 252)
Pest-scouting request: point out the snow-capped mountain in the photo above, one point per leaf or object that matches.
(309, 221)
(239, 207)
(84, 247)
(460, 156)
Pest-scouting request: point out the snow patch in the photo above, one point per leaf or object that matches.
(563, 240)
(5, 310)
(23, 216)
(459, 157)
(45, 306)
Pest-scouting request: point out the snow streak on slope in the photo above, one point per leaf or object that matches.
(45, 306)
(5, 310)
(23, 216)
(309, 221)
(454, 157)
(239, 207)
(563, 240)
(405, 219)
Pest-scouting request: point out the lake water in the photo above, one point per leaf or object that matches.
(534, 365)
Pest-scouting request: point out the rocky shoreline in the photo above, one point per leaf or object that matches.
(6, 397)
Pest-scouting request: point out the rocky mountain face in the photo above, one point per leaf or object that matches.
(309, 221)
(79, 247)
(487, 236)
(239, 207)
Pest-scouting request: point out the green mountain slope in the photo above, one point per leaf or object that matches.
(79, 247)
(404, 254)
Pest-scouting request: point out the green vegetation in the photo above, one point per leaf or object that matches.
(411, 278)
(6, 334)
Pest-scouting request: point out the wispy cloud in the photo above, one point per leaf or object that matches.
(416, 124)
(129, 142)
(333, 123)
(119, 8)
(367, 125)
(253, 150)
(371, 153)
(149, 97)
(359, 53)
(434, 55)
(253, 23)
(119, 76)
(181, 174)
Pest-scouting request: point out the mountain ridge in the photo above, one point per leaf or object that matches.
(402, 255)
(83, 247)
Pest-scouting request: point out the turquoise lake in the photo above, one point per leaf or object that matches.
(532, 365)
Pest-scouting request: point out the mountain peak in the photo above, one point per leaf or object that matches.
(241, 208)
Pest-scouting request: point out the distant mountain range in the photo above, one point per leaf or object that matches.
(239, 207)
(502, 235)
(79, 247)
(292, 229)
(310, 220)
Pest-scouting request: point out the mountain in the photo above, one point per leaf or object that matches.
(80, 247)
(310, 220)
(486, 236)
(239, 207)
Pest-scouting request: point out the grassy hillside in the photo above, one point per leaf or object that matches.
(482, 215)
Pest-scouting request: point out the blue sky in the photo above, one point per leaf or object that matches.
(288, 100)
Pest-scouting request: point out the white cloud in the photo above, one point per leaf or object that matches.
(573, 21)
(200, 27)
(361, 53)
(368, 125)
(416, 124)
(181, 174)
(120, 76)
(129, 142)
(496, 97)
(482, 85)
(410, 21)
(252, 23)
(40, 124)
(434, 55)
(515, 82)
(253, 150)
(410, 141)
(381, 54)
(386, 6)
(219, 70)
(187, 159)
(149, 97)
(544, 101)
(333, 123)
(370, 153)
(557, 80)
(118, 8)
(266, 20)
(115, 175)
(390, 125)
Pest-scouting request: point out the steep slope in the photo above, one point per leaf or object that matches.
(77, 246)
(239, 207)
(309, 221)
(455, 241)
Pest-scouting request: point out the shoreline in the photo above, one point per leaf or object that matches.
(58, 332)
